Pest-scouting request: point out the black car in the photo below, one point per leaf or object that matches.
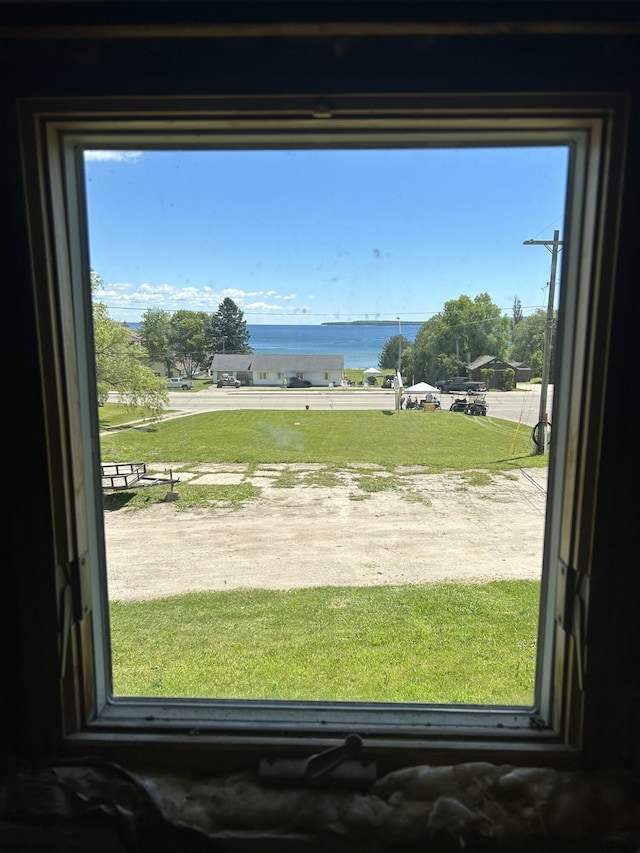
(296, 382)
(388, 380)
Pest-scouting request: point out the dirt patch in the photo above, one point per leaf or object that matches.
(426, 528)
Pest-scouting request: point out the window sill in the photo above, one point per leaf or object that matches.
(467, 805)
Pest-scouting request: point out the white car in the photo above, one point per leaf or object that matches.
(180, 383)
(227, 380)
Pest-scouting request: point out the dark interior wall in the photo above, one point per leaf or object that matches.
(203, 66)
(92, 64)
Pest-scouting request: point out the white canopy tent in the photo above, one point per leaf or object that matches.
(421, 388)
(369, 373)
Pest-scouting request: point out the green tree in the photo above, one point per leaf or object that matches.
(465, 329)
(425, 358)
(228, 331)
(155, 333)
(507, 379)
(121, 362)
(388, 359)
(517, 312)
(188, 339)
(528, 342)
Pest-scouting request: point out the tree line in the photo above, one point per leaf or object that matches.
(464, 330)
(183, 341)
(186, 341)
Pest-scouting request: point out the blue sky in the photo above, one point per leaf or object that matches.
(315, 236)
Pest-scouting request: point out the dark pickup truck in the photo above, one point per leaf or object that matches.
(459, 383)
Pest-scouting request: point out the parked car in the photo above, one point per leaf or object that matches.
(180, 383)
(388, 380)
(226, 380)
(296, 382)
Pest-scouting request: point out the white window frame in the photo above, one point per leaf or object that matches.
(54, 132)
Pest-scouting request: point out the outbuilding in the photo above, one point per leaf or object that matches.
(522, 373)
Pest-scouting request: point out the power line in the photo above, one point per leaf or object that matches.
(547, 228)
(392, 320)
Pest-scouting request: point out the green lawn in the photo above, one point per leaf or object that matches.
(449, 643)
(442, 643)
(115, 414)
(442, 440)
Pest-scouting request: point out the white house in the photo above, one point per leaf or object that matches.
(272, 370)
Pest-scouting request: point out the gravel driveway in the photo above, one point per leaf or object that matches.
(436, 527)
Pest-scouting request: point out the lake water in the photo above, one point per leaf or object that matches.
(360, 345)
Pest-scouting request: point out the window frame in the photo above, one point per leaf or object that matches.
(88, 718)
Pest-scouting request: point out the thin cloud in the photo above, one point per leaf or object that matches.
(287, 311)
(127, 296)
(236, 293)
(113, 156)
(262, 306)
(275, 295)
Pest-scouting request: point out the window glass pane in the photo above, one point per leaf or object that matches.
(308, 520)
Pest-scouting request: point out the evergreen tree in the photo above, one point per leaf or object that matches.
(517, 312)
(228, 331)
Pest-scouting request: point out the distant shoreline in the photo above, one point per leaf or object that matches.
(371, 323)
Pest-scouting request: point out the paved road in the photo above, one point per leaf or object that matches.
(523, 405)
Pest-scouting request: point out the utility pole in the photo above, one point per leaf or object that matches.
(398, 380)
(554, 247)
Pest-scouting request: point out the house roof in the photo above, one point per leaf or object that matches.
(277, 363)
(487, 360)
(482, 361)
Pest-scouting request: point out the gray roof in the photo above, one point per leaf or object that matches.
(276, 363)
(480, 361)
(483, 360)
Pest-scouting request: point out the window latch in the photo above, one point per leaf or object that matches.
(337, 765)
